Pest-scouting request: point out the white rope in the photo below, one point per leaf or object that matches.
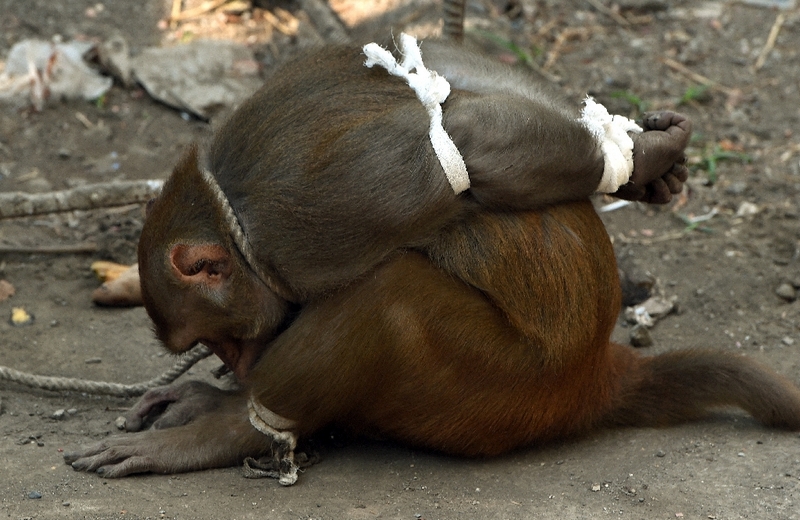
(611, 133)
(432, 90)
(278, 430)
(68, 384)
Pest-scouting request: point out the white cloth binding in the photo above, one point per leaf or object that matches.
(432, 90)
(611, 133)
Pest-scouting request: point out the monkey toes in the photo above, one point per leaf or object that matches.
(659, 160)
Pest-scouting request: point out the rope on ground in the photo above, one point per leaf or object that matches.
(68, 384)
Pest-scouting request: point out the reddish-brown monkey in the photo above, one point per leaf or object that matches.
(470, 324)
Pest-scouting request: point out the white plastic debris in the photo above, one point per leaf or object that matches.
(650, 311)
(38, 70)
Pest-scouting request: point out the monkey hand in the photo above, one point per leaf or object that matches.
(173, 405)
(659, 159)
(215, 421)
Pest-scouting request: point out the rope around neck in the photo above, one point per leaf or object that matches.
(239, 237)
(432, 90)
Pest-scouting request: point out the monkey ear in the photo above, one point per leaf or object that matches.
(205, 264)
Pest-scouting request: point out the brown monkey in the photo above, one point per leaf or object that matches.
(519, 354)
(310, 207)
(322, 195)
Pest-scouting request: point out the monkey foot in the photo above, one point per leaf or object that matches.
(278, 429)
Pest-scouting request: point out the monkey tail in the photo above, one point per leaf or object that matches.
(680, 386)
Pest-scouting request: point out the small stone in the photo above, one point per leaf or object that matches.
(640, 336)
(59, 414)
(787, 292)
(736, 188)
(747, 209)
(65, 504)
(660, 453)
(740, 454)
(93, 361)
(35, 495)
(595, 487)
(64, 153)
(119, 422)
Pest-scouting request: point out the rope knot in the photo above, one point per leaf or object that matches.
(432, 90)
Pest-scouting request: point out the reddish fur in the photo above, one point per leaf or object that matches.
(469, 324)
(414, 354)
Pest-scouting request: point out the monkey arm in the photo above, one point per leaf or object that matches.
(514, 129)
(522, 154)
(203, 427)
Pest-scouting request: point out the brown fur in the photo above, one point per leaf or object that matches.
(470, 324)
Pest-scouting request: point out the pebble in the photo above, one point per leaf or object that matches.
(787, 341)
(640, 336)
(34, 495)
(736, 188)
(93, 361)
(59, 414)
(660, 453)
(119, 422)
(787, 292)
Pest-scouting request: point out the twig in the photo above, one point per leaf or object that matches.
(84, 120)
(648, 241)
(610, 12)
(90, 196)
(175, 13)
(570, 33)
(327, 23)
(773, 36)
(710, 83)
(200, 10)
(86, 247)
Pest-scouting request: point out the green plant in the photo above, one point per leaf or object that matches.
(715, 154)
(520, 53)
(635, 101)
(693, 93)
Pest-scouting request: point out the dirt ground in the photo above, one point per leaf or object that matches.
(726, 271)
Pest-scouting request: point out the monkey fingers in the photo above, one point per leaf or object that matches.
(115, 457)
(659, 160)
(221, 438)
(668, 121)
(174, 405)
